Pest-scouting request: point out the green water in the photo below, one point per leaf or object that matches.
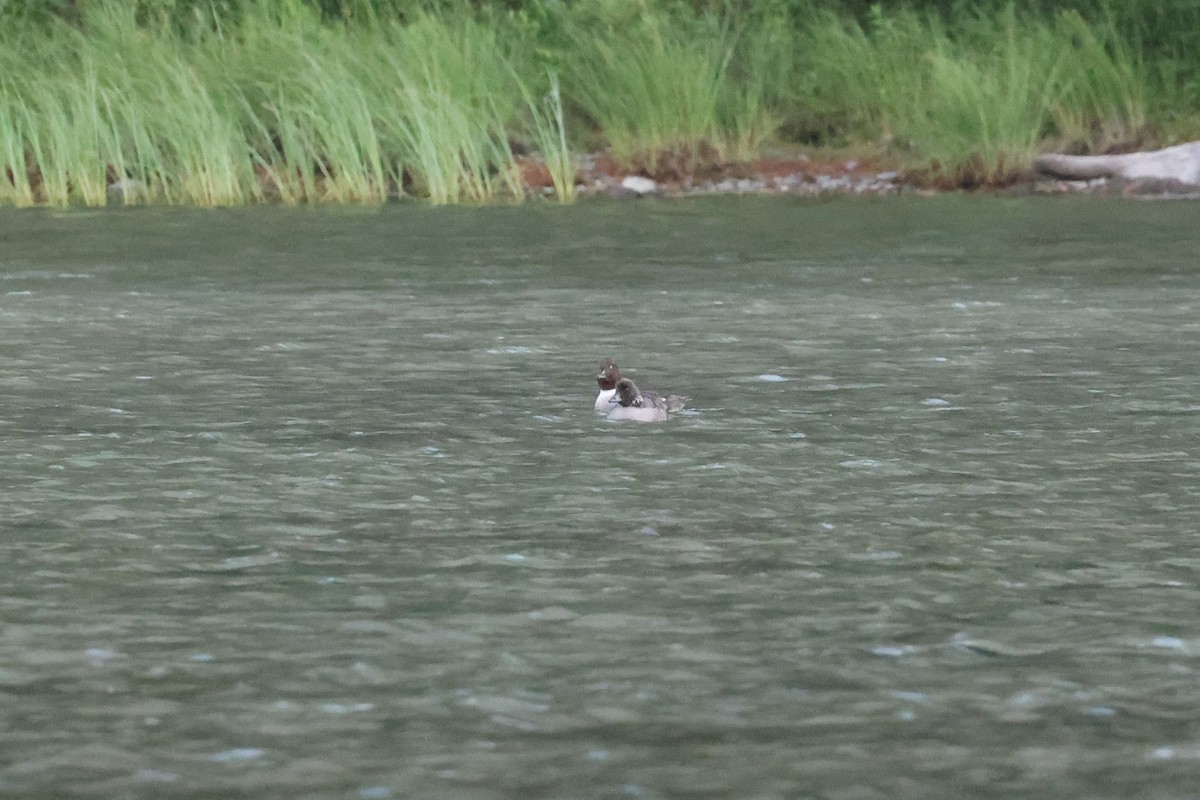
(315, 504)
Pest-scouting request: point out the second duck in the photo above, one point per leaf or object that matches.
(631, 404)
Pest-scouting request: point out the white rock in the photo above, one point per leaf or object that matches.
(639, 185)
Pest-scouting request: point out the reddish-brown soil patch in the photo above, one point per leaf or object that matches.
(535, 175)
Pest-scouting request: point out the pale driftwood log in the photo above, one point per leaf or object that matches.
(1179, 163)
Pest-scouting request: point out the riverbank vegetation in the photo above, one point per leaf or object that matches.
(216, 102)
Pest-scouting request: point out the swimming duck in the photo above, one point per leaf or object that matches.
(629, 403)
(608, 376)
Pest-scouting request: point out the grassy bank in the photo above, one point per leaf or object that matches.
(183, 101)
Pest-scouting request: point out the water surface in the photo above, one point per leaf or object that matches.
(313, 503)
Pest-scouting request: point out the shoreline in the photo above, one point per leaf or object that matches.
(800, 175)
(795, 175)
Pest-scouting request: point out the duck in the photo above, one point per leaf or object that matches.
(608, 376)
(632, 404)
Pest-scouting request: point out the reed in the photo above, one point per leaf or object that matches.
(307, 122)
(1105, 88)
(985, 110)
(549, 132)
(663, 92)
(109, 102)
(762, 82)
(447, 96)
(971, 101)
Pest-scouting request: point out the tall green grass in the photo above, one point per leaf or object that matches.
(354, 101)
(113, 101)
(548, 127)
(972, 100)
(1107, 86)
(361, 114)
(448, 98)
(671, 90)
(276, 104)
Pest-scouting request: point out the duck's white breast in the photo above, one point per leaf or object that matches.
(604, 400)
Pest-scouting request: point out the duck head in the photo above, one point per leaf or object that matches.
(627, 394)
(609, 374)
